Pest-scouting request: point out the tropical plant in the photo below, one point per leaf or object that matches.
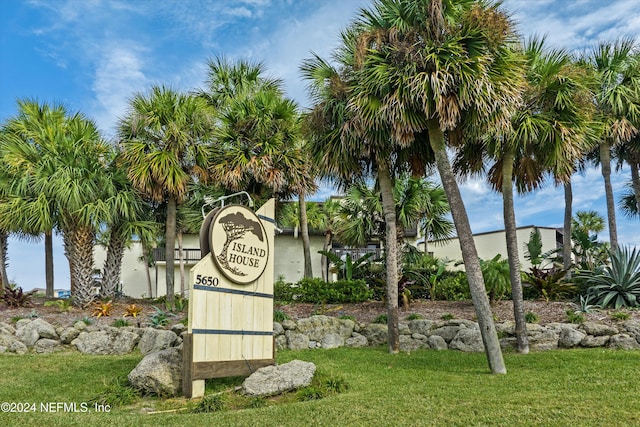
(496, 276)
(132, 310)
(165, 147)
(102, 308)
(346, 267)
(618, 283)
(15, 297)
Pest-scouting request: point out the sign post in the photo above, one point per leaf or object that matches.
(230, 329)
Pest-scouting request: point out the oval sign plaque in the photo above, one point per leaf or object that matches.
(239, 245)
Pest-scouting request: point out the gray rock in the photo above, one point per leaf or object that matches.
(623, 342)
(3, 349)
(591, 341)
(332, 340)
(506, 328)
(436, 342)
(22, 322)
(6, 328)
(543, 339)
(420, 337)
(598, 329)
(316, 327)
(154, 340)
(296, 340)
(403, 329)
(509, 343)
(273, 380)
(281, 342)
(18, 347)
(277, 329)
(288, 324)
(159, 373)
(80, 325)
(356, 341)
(570, 338)
(462, 322)
(68, 334)
(467, 340)
(408, 344)
(313, 344)
(31, 331)
(633, 328)
(178, 328)
(448, 332)
(421, 326)
(107, 341)
(47, 345)
(376, 334)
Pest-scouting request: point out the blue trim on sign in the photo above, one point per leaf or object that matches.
(232, 291)
(229, 332)
(266, 218)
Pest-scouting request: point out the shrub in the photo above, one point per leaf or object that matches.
(446, 316)
(132, 310)
(280, 316)
(574, 316)
(453, 287)
(618, 284)
(347, 317)
(547, 283)
(496, 277)
(620, 315)
(415, 316)
(282, 291)
(317, 291)
(120, 323)
(381, 319)
(15, 297)
(159, 318)
(531, 317)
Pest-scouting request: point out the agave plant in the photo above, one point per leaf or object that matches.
(617, 284)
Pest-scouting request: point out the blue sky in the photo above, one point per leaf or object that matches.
(92, 55)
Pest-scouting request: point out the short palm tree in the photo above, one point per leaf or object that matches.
(165, 139)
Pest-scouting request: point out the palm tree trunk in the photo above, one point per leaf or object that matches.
(145, 255)
(113, 263)
(324, 261)
(68, 239)
(304, 228)
(512, 252)
(566, 229)
(4, 242)
(170, 242)
(635, 182)
(391, 255)
(181, 261)
(48, 263)
(605, 161)
(82, 264)
(468, 248)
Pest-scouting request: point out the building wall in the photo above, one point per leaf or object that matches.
(289, 258)
(492, 243)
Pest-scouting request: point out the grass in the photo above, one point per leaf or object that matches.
(566, 387)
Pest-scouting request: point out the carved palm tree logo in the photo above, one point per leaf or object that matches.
(241, 254)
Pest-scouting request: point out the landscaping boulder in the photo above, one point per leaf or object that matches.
(107, 341)
(408, 344)
(375, 333)
(316, 327)
(436, 342)
(296, 340)
(47, 345)
(448, 332)
(633, 328)
(356, 341)
(570, 338)
(68, 334)
(598, 329)
(154, 340)
(273, 380)
(11, 344)
(159, 373)
(623, 342)
(332, 340)
(591, 341)
(6, 328)
(30, 332)
(468, 340)
(421, 326)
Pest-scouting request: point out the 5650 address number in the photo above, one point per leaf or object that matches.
(207, 280)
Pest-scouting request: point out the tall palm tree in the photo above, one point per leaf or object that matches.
(21, 210)
(165, 139)
(617, 68)
(546, 134)
(436, 71)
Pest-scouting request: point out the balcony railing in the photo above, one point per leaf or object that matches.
(359, 252)
(190, 255)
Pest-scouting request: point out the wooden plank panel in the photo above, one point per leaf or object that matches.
(232, 368)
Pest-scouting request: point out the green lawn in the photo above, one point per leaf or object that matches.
(569, 387)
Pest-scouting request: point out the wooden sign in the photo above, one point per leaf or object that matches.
(230, 330)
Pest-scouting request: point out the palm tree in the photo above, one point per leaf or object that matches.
(165, 147)
(437, 71)
(546, 134)
(21, 210)
(617, 68)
